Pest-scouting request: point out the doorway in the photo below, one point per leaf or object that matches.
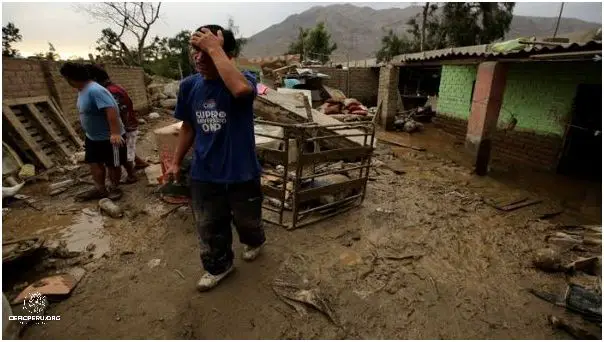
(582, 153)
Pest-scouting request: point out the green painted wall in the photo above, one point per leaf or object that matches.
(540, 95)
(455, 91)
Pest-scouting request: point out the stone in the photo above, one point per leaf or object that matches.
(171, 89)
(153, 116)
(547, 259)
(168, 103)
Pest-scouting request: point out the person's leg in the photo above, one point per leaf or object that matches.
(139, 163)
(94, 156)
(130, 156)
(245, 200)
(115, 158)
(97, 170)
(213, 222)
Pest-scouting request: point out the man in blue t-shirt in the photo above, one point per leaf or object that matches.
(104, 145)
(216, 109)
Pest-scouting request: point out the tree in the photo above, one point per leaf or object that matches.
(315, 43)
(52, 54)
(297, 46)
(460, 24)
(133, 18)
(392, 46)
(239, 41)
(10, 35)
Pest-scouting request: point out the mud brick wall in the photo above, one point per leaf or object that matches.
(388, 94)
(27, 78)
(22, 78)
(454, 126)
(363, 82)
(538, 151)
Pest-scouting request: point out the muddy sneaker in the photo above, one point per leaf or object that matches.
(251, 253)
(209, 281)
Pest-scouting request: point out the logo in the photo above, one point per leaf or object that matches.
(34, 306)
(209, 104)
(210, 118)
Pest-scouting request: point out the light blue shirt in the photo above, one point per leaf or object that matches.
(92, 102)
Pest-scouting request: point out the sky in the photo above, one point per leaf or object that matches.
(74, 33)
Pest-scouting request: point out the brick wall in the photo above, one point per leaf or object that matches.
(538, 151)
(452, 125)
(540, 95)
(22, 78)
(27, 78)
(363, 82)
(455, 91)
(388, 94)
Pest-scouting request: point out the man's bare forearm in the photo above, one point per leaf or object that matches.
(114, 121)
(186, 136)
(231, 76)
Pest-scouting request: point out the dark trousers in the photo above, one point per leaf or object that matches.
(214, 207)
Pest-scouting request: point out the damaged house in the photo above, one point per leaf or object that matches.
(532, 103)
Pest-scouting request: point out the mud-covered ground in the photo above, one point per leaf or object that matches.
(424, 257)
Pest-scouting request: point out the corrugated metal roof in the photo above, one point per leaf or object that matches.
(486, 51)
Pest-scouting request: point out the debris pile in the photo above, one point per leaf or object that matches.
(574, 251)
(411, 120)
(346, 110)
(163, 94)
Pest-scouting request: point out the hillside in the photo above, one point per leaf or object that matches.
(358, 30)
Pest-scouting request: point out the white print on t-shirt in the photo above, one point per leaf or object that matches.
(209, 118)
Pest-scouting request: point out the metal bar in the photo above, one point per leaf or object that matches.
(296, 193)
(337, 136)
(270, 208)
(268, 136)
(329, 205)
(309, 194)
(284, 179)
(323, 217)
(314, 175)
(337, 154)
(272, 155)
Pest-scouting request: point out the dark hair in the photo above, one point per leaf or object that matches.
(230, 44)
(75, 72)
(97, 73)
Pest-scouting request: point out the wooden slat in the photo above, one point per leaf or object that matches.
(12, 119)
(55, 109)
(335, 155)
(273, 192)
(38, 116)
(306, 195)
(24, 100)
(271, 155)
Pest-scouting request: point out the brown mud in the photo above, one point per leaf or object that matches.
(424, 257)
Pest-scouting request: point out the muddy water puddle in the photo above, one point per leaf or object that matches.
(82, 231)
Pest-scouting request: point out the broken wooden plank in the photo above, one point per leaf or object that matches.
(24, 100)
(388, 138)
(56, 111)
(520, 205)
(38, 117)
(26, 137)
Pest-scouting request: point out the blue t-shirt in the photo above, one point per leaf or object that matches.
(224, 150)
(92, 101)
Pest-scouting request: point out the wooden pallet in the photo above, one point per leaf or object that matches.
(40, 129)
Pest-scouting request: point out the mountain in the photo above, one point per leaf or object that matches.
(358, 30)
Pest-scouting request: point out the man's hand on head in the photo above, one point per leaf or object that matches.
(206, 40)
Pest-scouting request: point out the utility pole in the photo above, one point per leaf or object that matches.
(558, 22)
